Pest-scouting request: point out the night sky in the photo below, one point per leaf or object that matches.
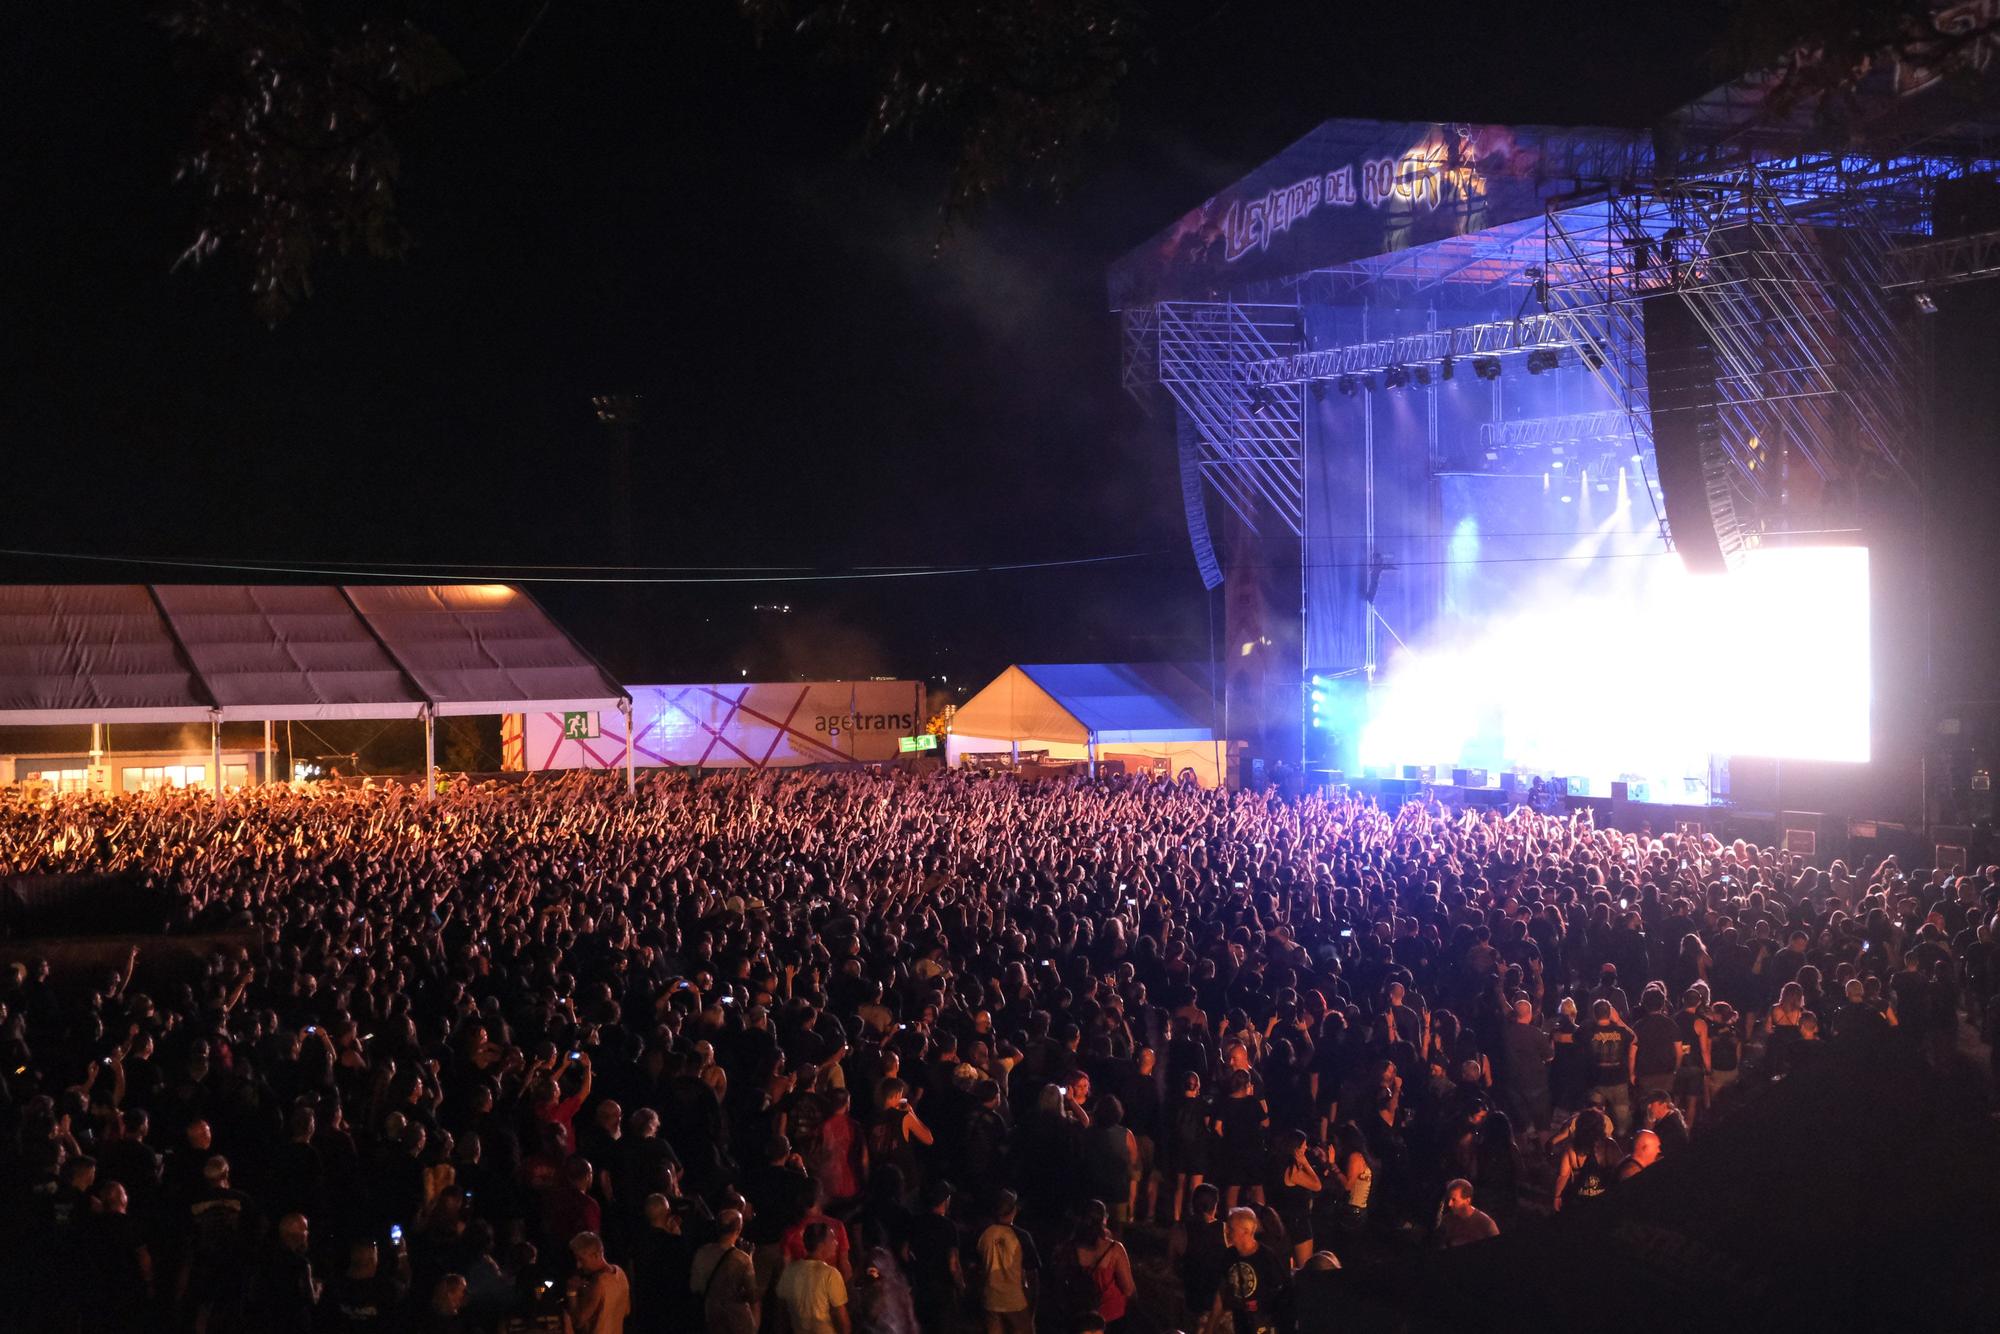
(645, 201)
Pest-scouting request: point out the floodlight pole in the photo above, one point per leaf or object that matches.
(270, 754)
(430, 754)
(215, 754)
(1090, 749)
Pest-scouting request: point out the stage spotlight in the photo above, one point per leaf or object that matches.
(1260, 401)
(1926, 304)
(1424, 375)
(1542, 359)
(1345, 384)
(1319, 391)
(1592, 358)
(1446, 367)
(1486, 368)
(1395, 377)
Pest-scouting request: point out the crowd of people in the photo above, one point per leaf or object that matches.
(806, 1053)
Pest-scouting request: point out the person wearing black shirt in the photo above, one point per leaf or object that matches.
(1139, 1095)
(779, 1192)
(1611, 1050)
(286, 1293)
(935, 1274)
(1660, 1116)
(223, 1224)
(1525, 1054)
(662, 1260)
(127, 1159)
(1316, 1295)
(1659, 1045)
(1204, 1249)
(1256, 1282)
(365, 1298)
(1854, 1018)
(119, 1268)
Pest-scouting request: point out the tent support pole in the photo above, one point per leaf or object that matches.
(215, 755)
(1090, 749)
(430, 756)
(631, 778)
(270, 754)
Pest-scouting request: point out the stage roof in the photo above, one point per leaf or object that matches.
(126, 653)
(1099, 701)
(1355, 191)
(1352, 189)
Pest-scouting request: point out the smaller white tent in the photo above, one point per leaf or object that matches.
(1145, 714)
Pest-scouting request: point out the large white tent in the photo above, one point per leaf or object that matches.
(1146, 714)
(143, 653)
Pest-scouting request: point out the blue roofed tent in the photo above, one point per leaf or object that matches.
(1146, 714)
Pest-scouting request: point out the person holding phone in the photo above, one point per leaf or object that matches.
(549, 1105)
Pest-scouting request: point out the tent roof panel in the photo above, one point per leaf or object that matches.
(86, 653)
(1014, 708)
(1128, 700)
(129, 653)
(1114, 702)
(271, 651)
(483, 648)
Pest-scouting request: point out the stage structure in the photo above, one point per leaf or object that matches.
(1482, 404)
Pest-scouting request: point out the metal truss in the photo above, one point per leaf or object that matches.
(1418, 349)
(1806, 348)
(1946, 263)
(1141, 328)
(1612, 426)
(1249, 440)
(1807, 351)
(1488, 258)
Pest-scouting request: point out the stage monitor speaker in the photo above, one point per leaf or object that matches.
(1800, 830)
(1695, 471)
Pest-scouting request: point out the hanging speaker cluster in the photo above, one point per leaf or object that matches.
(1694, 468)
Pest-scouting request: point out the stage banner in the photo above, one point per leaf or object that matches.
(1352, 189)
(736, 724)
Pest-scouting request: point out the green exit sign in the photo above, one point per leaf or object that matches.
(579, 727)
(906, 744)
